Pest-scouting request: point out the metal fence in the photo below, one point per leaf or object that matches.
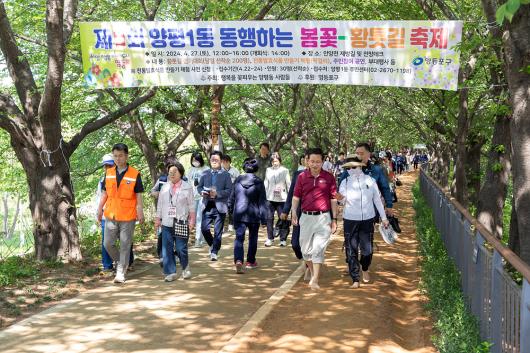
(501, 306)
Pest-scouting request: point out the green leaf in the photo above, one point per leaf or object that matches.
(525, 2)
(512, 6)
(501, 11)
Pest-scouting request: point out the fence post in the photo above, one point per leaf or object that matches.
(525, 318)
(496, 302)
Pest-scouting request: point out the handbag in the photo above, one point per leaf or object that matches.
(180, 229)
(282, 225)
(398, 182)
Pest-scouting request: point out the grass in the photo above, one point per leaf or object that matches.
(457, 329)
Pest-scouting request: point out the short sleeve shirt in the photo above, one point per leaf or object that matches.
(315, 192)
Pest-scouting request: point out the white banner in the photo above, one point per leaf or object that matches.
(376, 53)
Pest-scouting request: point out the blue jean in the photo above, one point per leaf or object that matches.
(169, 244)
(106, 260)
(295, 238)
(275, 207)
(211, 215)
(239, 252)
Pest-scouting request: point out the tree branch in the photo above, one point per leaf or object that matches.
(70, 10)
(265, 9)
(236, 135)
(94, 125)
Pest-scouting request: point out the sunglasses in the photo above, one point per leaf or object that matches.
(348, 168)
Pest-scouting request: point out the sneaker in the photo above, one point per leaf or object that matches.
(239, 267)
(251, 265)
(120, 278)
(283, 243)
(198, 244)
(213, 257)
(366, 276)
(230, 228)
(177, 260)
(388, 234)
(269, 242)
(186, 274)
(171, 277)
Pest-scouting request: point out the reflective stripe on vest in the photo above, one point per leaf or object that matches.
(121, 201)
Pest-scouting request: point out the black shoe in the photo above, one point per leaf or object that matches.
(394, 222)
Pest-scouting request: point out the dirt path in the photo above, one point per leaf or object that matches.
(383, 316)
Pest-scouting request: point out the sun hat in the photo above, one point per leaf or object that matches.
(353, 161)
(107, 159)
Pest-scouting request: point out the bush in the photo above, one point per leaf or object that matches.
(15, 267)
(457, 329)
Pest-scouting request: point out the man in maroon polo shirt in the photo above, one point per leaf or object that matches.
(316, 189)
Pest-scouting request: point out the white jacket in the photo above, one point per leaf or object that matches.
(277, 179)
(360, 194)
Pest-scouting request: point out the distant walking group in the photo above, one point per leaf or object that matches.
(191, 204)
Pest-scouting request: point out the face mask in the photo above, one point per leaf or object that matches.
(355, 172)
(196, 164)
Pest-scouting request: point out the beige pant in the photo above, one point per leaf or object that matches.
(124, 231)
(315, 232)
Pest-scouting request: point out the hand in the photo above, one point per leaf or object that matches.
(339, 196)
(294, 219)
(99, 216)
(157, 222)
(333, 226)
(213, 194)
(283, 216)
(389, 211)
(386, 224)
(191, 227)
(140, 217)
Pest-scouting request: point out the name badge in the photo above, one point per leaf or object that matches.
(172, 212)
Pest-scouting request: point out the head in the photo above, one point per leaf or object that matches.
(120, 153)
(197, 160)
(107, 161)
(250, 165)
(264, 149)
(301, 160)
(175, 171)
(226, 161)
(215, 160)
(315, 160)
(341, 156)
(276, 160)
(362, 150)
(354, 165)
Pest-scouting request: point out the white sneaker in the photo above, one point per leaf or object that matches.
(120, 278)
(171, 277)
(213, 257)
(269, 242)
(186, 274)
(283, 243)
(230, 228)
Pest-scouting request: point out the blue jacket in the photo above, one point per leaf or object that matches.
(376, 172)
(223, 185)
(248, 201)
(289, 202)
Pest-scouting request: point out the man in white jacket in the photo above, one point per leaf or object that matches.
(359, 193)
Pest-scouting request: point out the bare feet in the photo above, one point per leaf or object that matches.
(307, 274)
(366, 276)
(355, 285)
(314, 285)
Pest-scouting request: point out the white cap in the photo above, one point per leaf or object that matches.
(108, 159)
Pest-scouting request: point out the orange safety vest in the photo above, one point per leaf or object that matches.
(121, 201)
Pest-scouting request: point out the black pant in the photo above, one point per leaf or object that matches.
(275, 207)
(358, 235)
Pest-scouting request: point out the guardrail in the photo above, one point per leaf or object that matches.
(501, 305)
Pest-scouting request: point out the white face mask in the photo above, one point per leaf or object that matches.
(196, 164)
(355, 172)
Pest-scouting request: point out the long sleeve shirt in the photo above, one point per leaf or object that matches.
(360, 195)
(181, 198)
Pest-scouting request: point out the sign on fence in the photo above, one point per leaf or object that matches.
(375, 53)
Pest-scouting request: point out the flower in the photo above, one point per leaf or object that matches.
(96, 69)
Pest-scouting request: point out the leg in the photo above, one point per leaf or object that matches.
(322, 233)
(366, 242)
(131, 253)
(295, 242)
(198, 212)
(106, 260)
(270, 221)
(170, 266)
(283, 232)
(351, 233)
(239, 252)
(182, 251)
(126, 236)
(253, 229)
(218, 230)
(111, 235)
(207, 220)
(159, 243)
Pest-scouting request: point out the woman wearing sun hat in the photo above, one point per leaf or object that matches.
(359, 193)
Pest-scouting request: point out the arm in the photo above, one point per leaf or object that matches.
(294, 207)
(382, 183)
(288, 202)
(140, 208)
(263, 209)
(287, 180)
(200, 187)
(232, 197)
(191, 208)
(158, 215)
(377, 202)
(227, 187)
(102, 202)
(155, 190)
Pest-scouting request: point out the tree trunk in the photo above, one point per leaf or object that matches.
(517, 59)
(459, 189)
(473, 170)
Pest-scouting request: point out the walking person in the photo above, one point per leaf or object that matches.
(359, 193)
(122, 200)
(215, 187)
(234, 173)
(315, 189)
(155, 192)
(264, 160)
(248, 205)
(277, 182)
(194, 176)
(175, 214)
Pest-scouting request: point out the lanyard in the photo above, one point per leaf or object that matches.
(171, 196)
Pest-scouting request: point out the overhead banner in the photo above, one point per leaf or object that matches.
(376, 53)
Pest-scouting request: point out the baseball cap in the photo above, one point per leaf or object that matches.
(108, 159)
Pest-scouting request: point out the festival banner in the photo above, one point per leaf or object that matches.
(421, 54)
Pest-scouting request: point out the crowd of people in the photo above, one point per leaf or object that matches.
(189, 205)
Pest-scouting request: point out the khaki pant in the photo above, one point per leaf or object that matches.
(315, 232)
(125, 232)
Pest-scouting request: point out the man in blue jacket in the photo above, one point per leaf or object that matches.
(215, 187)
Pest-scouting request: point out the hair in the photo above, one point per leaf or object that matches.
(227, 158)
(365, 145)
(250, 165)
(266, 144)
(341, 154)
(276, 155)
(177, 165)
(198, 157)
(120, 147)
(301, 159)
(216, 153)
(317, 150)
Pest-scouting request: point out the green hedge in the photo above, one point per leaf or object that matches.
(456, 328)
